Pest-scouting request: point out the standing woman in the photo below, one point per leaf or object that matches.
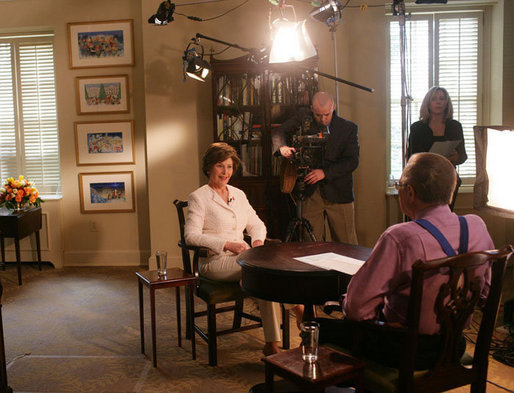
(436, 124)
(217, 215)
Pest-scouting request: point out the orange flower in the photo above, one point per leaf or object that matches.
(18, 198)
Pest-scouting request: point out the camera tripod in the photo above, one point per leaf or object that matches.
(298, 225)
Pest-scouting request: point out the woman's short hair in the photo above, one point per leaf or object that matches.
(424, 110)
(432, 176)
(219, 152)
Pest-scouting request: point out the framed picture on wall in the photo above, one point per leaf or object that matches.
(104, 143)
(102, 94)
(101, 44)
(107, 192)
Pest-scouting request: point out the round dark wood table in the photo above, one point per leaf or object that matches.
(270, 272)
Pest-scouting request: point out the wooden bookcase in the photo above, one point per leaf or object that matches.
(249, 100)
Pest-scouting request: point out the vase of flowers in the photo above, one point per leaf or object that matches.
(15, 194)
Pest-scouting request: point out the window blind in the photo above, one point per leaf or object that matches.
(29, 140)
(457, 68)
(441, 50)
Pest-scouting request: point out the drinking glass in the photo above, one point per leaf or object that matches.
(309, 332)
(162, 259)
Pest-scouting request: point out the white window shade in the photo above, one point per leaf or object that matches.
(442, 49)
(29, 141)
(458, 73)
(8, 149)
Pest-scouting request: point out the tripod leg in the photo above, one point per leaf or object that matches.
(308, 228)
(294, 227)
(290, 230)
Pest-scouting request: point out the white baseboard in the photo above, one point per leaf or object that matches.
(102, 258)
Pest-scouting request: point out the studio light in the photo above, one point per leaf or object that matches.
(164, 14)
(194, 65)
(330, 13)
(291, 42)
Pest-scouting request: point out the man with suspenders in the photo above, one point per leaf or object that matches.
(380, 289)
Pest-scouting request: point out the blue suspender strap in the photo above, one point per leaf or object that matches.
(445, 245)
(464, 236)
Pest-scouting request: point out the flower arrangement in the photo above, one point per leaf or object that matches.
(15, 193)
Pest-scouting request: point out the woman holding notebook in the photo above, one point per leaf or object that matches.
(437, 131)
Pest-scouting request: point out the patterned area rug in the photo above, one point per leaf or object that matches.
(77, 330)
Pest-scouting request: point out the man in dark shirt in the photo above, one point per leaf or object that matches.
(329, 187)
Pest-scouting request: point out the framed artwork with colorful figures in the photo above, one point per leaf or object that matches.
(101, 44)
(107, 192)
(104, 143)
(102, 94)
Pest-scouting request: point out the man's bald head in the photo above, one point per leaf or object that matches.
(322, 108)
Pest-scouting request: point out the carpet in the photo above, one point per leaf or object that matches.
(76, 330)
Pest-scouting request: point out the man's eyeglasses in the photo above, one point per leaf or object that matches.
(397, 184)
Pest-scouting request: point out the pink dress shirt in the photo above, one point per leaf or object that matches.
(386, 275)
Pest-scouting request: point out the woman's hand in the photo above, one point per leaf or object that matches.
(454, 157)
(257, 243)
(235, 247)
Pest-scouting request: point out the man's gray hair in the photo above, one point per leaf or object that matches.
(432, 176)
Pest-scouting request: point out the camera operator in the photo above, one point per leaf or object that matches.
(329, 186)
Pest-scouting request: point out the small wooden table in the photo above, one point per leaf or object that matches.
(272, 273)
(19, 225)
(174, 277)
(331, 368)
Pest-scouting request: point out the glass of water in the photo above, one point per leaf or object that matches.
(309, 333)
(161, 258)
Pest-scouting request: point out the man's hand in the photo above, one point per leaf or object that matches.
(235, 247)
(287, 151)
(314, 176)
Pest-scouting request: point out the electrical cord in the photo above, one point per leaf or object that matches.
(197, 19)
(501, 349)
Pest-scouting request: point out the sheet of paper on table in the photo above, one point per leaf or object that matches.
(333, 261)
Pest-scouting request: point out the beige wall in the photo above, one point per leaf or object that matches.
(120, 238)
(173, 118)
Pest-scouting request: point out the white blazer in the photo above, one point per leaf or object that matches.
(211, 222)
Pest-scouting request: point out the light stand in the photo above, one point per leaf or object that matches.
(399, 10)
(260, 56)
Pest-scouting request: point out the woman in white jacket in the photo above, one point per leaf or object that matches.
(216, 218)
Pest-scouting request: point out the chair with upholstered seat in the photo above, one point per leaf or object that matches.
(214, 293)
(457, 300)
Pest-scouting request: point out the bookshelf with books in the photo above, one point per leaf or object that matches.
(249, 101)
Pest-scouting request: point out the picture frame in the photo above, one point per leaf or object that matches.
(104, 143)
(101, 44)
(107, 192)
(102, 94)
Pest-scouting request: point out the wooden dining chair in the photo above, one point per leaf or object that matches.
(457, 299)
(214, 293)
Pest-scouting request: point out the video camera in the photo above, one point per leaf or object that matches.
(309, 144)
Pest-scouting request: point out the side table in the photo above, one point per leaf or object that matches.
(19, 225)
(331, 368)
(174, 277)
